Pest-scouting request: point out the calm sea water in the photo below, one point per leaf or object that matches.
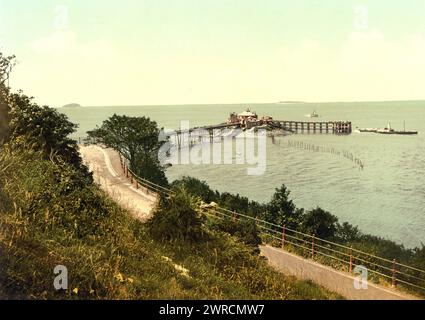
(387, 198)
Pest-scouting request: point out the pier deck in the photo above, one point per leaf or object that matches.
(334, 127)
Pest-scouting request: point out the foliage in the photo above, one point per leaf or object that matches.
(138, 139)
(320, 223)
(234, 272)
(347, 233)
(240, 204)
(282, 211)
(43, 129)
(196, 187)
(52, 214)
(176, 217)
(6, 64)
(50, 219)
(245, 230)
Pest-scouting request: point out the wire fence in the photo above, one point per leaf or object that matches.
(338, 256)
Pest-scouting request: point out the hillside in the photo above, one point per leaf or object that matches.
(50, 215)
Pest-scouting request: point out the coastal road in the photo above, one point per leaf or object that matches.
(107, 172)
(332, 279)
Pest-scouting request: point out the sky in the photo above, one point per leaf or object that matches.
(149, 52)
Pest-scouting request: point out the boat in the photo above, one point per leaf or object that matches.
(312, 115)
(389, 130)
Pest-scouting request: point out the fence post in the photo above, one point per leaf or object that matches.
(131, 178)
(137, 184)
(283, 236)
(394, 274)
(312, 247)
(234, 216)
(351, 259)
(126, 171)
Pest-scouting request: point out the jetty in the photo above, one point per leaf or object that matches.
(248, 120)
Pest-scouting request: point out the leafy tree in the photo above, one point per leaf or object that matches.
(138, 139)
(234, 202)
(320, 223)
(6, 64)
(45, 129)
(347, 233)
(240, 204)
(282, 211)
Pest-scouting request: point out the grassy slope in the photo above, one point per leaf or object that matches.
(49, 216)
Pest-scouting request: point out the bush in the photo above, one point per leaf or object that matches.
(245, 230)
(44, 129)
(196, 188)
(176, 217)
(320, 223)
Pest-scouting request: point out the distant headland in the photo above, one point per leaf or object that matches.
(290, 102)
(72, 105)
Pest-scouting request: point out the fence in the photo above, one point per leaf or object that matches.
(336, 255)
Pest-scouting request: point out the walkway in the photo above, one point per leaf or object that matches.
(107, 172)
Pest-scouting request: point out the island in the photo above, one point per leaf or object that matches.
(290, 102)
(72, 105)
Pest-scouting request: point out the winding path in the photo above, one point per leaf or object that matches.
(107, 172)
(106, 167)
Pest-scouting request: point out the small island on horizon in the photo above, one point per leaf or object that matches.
(72, 105)
(290, 102)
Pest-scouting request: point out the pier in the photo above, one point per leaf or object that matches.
(334, 127)
(248, 120)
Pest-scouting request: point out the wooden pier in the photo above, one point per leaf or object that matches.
(303, 127)
(334, 127)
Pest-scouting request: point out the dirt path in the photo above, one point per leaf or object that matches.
(107, 172)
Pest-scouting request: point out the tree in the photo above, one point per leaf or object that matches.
(44, 128)
(282, 211)
(196, 187)
(6, 65)
(138, 140)
(347, 233)
(320, 223)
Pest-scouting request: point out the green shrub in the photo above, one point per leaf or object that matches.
(176, 217)
(196, 188)
(245, 230)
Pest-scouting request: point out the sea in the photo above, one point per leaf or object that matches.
(384, 196)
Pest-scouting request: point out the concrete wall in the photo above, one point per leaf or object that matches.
(336, 281)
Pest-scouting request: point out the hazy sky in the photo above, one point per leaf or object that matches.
(215, 51)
